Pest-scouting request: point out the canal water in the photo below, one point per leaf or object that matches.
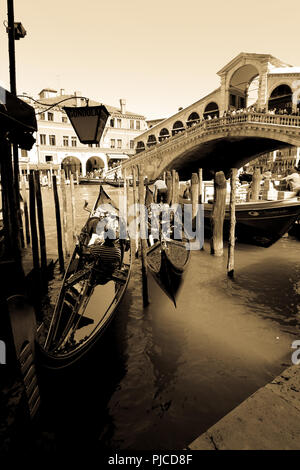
(163, 375)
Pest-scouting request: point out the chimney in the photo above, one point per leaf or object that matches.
(62, 91)
(123, 106)
(77, 100)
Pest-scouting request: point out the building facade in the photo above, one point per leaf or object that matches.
(57, 145)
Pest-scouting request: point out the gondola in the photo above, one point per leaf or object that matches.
(86, 180)
(167, 258)
(120, 183)
(115, 183)
(259, 223)
(89, 296)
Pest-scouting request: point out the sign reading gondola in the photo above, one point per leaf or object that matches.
(88, 122)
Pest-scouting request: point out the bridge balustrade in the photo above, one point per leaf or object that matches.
(250, 116)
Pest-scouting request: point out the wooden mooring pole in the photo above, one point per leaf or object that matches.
(231, 243)
(218, 214)
(169, 183)
(65, 212)
(74, 234)
(176, 188)
(135, 202)
(200, 176)
(42, 236)
(143, 237)
(194, 195)
(58, 226)
(201, 192)
(255, 186)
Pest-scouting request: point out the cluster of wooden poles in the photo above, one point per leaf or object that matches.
(197, 197)
(34, 222)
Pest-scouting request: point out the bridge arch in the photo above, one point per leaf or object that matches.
(211, 110)
(95, 163)
(239, 83)
(71, 165)
(151, 140)
(164, 134)
(281, 97)
(140, 146)
(177, 127)
(193, 119)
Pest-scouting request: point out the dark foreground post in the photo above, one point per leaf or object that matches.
(255, 186)
(42, 235)
(26, 215)
(34, 234)
(143, 237)
(58, 226)
(218, 214)
(231, 244)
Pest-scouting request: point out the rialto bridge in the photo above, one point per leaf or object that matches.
(255, 110)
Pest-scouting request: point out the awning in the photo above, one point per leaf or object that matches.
(117, 156)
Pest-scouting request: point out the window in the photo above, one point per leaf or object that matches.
(42, 117)
(131, 124)
(137, 125)
(64, 119)
(43, 139)
(50, 116)
(232, 100)
(119, 143)
(112, 123)
(66, 141)
(74, 142)
(52, 140)
(24, 153)
(112, 143)
(48, 158)
(119, 123)
(131, 144)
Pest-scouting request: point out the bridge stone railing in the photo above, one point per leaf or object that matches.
(215, 123)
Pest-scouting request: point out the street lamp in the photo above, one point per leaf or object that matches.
(88, 122)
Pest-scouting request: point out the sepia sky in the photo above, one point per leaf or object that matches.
(158, 55)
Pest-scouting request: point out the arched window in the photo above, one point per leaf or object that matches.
(151, 140)
(177, 127)
(140, 146)
(243, 87)
(281, 99)
(211, 110)
(164, 134)
(193, 119)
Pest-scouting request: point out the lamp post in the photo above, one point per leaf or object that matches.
(15, 31)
